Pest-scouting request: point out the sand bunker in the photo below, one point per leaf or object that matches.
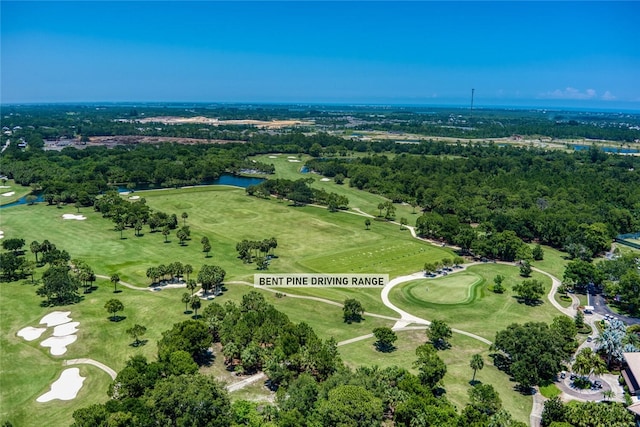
(56, 318)
(291, 157)
(273, 157)
(10, 193)
(66, 329)
(1, 234)
(66, 387)
(72, 216)
(58, 345)
(325, 179)
(5, 186)
(294, 161)
(134, 197)
(30, 333)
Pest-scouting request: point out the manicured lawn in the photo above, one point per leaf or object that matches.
(452, 289)
(554, 261)
(11, 187)
(457, 358)
(309, 238)
(550, 390)
(487, 312)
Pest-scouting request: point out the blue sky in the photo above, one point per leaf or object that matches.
(575, 54)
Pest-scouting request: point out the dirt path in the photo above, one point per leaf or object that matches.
(246, 382)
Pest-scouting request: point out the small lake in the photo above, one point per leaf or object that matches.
(608, 149)
(226, 179)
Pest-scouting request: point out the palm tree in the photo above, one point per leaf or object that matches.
(120, 228)
(165, 232)
(477, 363)
(587, 362)
(184, 218)
(608, 394)
(195, 304)
(35, 248)
(186, 299)
(188, 269)
(610, 343)
(367, 223)
(115, 279)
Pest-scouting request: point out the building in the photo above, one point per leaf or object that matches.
(631, 373)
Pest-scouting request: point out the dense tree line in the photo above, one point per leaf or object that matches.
(299, 192)
(578, 201)
(313, 387)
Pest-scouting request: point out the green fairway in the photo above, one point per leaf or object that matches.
(452, 289)
(486, 313)
(554, 261)
(11, 192)
(457, 358)
(358, 199)
(309, 238)
(368, 297)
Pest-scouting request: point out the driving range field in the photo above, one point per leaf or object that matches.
(310, 239)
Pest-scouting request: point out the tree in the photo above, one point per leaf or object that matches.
(35, 249)
(58, 286)
(189, 400)
(438, 333)
(529, 291)
(498, 288)
(629, 291)
(537, 253)
(120, 227)
(211, 277)
(206, 248)
(188, 269)
(403, 223)
(136, 331)
(430, 367)
(115, 279)
(182, 236)
(367, 223)
(184, 218)
(186, 299)
(553, 412)
(579, 319)
(352, 310)
(165, 232)
(350, 405)
(195, 304)
(477, 363)
(485, 399)
(587, 362)
(15, 245)
(113, 306)
(191, 336)
(385, 337)
(525, 268)
(533, 352)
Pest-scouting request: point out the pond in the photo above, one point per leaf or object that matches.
(226, 179)
(608, 149)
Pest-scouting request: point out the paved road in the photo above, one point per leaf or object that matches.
(600, 307)
(85, 361)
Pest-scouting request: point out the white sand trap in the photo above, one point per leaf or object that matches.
(134, 197)
(325, 179)
(56, 318)
(5, 186)
(66, 329)
(72, 216)
(10, 193)
(59, 345)
(294, 161)
(66, 387)
(1, 234)
(291, 157)
(30, 333)
(125, 193)
(273, 157)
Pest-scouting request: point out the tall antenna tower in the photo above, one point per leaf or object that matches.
(471, 111)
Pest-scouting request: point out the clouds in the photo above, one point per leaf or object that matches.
(572, 93)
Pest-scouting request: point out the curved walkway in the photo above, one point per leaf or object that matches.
(149, 288)
(84, 361)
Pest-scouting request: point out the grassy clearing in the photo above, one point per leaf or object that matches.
(487, 312)
(368, 297)
(457, 358)
(550, 390)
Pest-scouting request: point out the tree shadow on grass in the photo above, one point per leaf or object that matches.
(384, 348)
(474, 383)
(117, 318)
(139, 343)
(117, 291)
(529, 302)
(188, 311)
